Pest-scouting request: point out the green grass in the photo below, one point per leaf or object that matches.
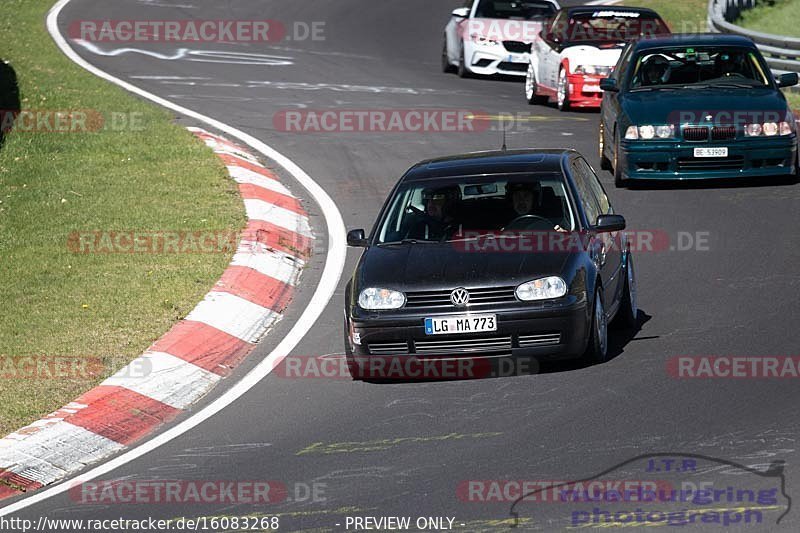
(683, 16)
(780, 18)
(59, 304)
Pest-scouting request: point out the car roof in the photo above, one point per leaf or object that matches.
(694, 39)
(575, 10)
(489, 162)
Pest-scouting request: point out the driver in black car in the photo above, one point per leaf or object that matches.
(438, 218)
(525, 197)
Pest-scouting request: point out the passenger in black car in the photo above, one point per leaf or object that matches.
(438, 218)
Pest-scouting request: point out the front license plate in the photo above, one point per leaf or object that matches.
(460, 324)
(717, 151)
(591, 89)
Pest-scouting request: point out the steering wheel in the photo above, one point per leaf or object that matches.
(526, 222)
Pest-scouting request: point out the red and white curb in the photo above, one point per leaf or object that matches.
(189, 360)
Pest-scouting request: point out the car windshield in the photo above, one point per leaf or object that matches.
(698, 66)
(608, 26)
(468, 207)
(523, 10)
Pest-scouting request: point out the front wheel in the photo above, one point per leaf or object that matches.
(597, 349)
(628, 314)
(563, 91)
(463, 72)
(605, 163)
(446, 66)
(531, 87)
(619, 180)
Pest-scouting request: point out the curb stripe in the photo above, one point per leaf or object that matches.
(203, 346)
(259, 210)
(120, 414)
(254, 192)
(277, 238)
(190, 359)
(234, 315)
(242, 175)
(260, 257)
(167, 379)
(55, 452)
(256, 287)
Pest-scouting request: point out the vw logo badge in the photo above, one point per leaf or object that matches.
(460, 297)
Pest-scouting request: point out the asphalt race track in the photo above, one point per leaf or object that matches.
(404, 449)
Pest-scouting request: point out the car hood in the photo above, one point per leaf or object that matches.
(427, 266)
(683, 106)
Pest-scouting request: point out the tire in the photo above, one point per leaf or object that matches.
(605, 163)
(447, 68)
(530, 88)
(462, 66)
(628, 314)
(619, 181)
(597, 348)
(562, 97)
(352, 366)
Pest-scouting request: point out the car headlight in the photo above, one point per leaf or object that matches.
(373, 299)
(594, 70)
(649, 131)
(768, 129)
(481, 40)
(542, 289)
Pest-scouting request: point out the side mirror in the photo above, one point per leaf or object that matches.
(356, 237)
(609, 223)
(609, 84)
(461, 12)
(787, 80)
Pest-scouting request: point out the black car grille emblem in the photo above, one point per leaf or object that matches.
(459, 297)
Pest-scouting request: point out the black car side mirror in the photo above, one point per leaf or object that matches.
(609, 84)
(356, 237)
(787, 80)
(608, 223)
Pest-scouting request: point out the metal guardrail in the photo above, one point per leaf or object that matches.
(781, 53)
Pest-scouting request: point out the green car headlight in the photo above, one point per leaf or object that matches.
(649, 131)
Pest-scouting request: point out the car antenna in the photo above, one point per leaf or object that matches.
(504, 147)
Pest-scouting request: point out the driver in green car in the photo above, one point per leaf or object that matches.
(525, 197)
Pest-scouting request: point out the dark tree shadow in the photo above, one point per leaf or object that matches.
(9, 99)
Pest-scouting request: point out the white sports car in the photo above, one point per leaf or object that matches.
(493, 36)
(579, 47)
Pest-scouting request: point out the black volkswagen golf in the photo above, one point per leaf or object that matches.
(490, 255)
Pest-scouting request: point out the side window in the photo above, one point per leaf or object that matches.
(587, 197)
(597, 189)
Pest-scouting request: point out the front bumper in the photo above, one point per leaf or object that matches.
(675, 160)
(491, 60)
(549, 330)
(584, 90)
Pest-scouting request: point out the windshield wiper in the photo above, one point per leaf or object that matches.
(406, 241)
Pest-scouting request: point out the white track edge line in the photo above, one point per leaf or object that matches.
(334, 265)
